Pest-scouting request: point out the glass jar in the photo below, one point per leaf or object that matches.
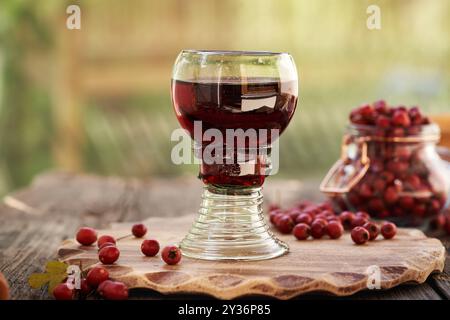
(394, 174)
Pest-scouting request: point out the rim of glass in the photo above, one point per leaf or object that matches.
(233, 52)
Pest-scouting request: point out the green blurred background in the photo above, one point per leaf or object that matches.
(97, 99)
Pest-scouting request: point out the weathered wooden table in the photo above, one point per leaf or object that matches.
(35, 220)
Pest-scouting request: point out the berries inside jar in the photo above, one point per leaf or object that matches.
(391, 169)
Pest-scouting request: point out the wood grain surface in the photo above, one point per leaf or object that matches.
(35, 220)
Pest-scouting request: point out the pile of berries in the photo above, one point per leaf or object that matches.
(108, 253)
(317, 220)
(97, 279)
(397, 121)
(403, 178)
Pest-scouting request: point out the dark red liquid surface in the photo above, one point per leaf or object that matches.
(259, 103)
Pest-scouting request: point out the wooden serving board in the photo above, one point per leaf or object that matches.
(338, 267)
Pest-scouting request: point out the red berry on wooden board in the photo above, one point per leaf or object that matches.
(294, 213)
(363, 214)
(285, 224)
(302, 231)
(105, 239)
(114, 290)
(360, 235)
(388, 230)
(150, 247)
(278, 217)
(101, 287)
(106, 244)
(334, 229)
(96, 276)
(109, 255)
(304, 218)
(86, 236)
(359, 221)
(346, 218)
(373, 230)
(171, 255)
(85, 288)
(139, 230)
(274, 214)
(63, 292)
(318, 228)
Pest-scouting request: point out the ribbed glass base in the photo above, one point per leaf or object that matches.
(231, 226)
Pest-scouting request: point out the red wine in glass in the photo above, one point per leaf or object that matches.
(253, 103)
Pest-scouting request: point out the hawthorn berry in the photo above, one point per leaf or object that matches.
(383, 122)
(397, 132)
(63, 292)
(139, 230)
(360, 235)
(388, 230)
(379, 185)
(302, 231)
(406, 202)
(86, 236)
(401, 118)
(334, 229)
(390, 195)
(359, 221)
(419, 210)
(96, 276)
(85, 288)
(304, 218)
(105, 239)
(318, 228)
(106, 244)
(380, 106)
(278, 217)
(362, 214)
(109, 255)
(171, 255)
(285, 224)
(437, 222)
(274, 214)
(150, 247)
(373, 230)
(376, 205)
(101, 287)
(365, 190)
(346, 218)
(114, 290)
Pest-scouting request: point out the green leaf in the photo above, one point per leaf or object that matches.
(38, 280)
(56, 267)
